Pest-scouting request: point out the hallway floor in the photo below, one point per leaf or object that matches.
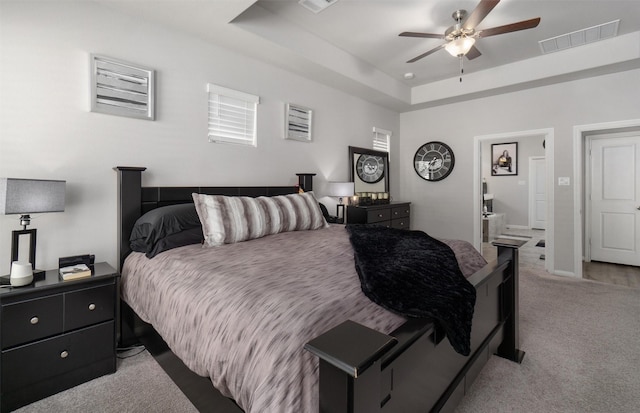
(533, 255)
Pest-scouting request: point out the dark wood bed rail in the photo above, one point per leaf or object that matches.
(361, 370)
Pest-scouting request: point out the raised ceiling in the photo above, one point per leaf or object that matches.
(354, 44)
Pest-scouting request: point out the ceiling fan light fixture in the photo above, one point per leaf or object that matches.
(460, 46)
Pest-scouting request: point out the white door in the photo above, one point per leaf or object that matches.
(615, 200)
(537, 192)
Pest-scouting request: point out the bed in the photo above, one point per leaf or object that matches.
(338, 351)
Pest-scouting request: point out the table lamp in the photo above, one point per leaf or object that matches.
(25, 197)
(341, 190)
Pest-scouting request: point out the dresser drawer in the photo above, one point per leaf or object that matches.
(89, 306)
(378, 215)
(400, 212)
(30, 320)
(402, 223)
(25, 365)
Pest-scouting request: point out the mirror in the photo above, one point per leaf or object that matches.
(369, 169)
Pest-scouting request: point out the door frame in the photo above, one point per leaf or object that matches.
(548, 134)
(532, 178)
(580, 136)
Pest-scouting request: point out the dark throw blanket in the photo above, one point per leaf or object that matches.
(415, 275)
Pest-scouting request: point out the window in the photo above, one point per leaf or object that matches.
(381, 139)
(232, 116)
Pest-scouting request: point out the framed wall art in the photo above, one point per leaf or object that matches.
(504, 159)
(121, 88)
(298, 123)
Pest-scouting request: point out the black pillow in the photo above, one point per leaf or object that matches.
(160, 223)
(179, 239)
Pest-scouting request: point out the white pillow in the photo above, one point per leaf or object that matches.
(231, 219)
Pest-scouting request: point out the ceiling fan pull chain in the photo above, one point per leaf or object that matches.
(461, 69)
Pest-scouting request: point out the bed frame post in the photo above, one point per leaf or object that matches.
(350, 368)
(129, 202)
(508, 251)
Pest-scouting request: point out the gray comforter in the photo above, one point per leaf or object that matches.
(241, 313)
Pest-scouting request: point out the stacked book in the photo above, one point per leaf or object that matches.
(73, 272)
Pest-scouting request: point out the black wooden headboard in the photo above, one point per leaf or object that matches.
(134, 200)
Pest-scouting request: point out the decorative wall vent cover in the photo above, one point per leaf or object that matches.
(120, 88)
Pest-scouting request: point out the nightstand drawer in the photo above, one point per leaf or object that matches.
(30, 320)
(378, 215)
(24, 365)
(89, 306)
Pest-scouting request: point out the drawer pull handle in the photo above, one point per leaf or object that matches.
(92, 307)
(34, 320)
(64, 354)
(379, 215)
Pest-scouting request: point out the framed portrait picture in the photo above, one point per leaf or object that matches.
(504, 159)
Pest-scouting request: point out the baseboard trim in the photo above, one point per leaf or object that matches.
(518, 226)
(566, 274)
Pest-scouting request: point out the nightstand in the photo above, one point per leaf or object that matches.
(56, 334)
(392, 215)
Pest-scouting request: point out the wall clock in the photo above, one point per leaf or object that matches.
(433, 161)
(370, 168)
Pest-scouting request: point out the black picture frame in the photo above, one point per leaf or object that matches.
(361, 186)
(504, 159)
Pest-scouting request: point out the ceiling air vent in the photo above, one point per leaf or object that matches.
(316, 6)
(580, 37)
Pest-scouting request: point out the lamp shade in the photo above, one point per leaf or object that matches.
(340, 189)
(460, 46)
(29, 196)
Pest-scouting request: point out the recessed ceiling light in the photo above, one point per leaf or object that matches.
(409, 75)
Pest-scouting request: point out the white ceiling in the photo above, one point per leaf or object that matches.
(354, 44)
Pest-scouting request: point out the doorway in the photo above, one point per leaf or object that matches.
(548, 136)
(581, 134)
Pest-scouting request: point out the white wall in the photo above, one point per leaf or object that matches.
(511, 192)
(47, 130)
(445, 208)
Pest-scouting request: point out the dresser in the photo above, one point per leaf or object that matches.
(392, 215)
(56, 334)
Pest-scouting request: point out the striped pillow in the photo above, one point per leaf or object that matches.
(227, 220)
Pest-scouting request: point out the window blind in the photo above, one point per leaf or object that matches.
(232, 115)
(381, 139)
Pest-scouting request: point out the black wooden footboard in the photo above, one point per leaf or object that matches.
(413, 369)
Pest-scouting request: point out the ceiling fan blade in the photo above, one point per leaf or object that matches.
(426, 35)
(473, 53)
(425, 54)
(508, 28)
(479, 13)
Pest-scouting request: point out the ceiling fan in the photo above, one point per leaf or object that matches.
(461, 37)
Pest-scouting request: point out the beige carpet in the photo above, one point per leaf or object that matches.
(582, 344)
(139, 385)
